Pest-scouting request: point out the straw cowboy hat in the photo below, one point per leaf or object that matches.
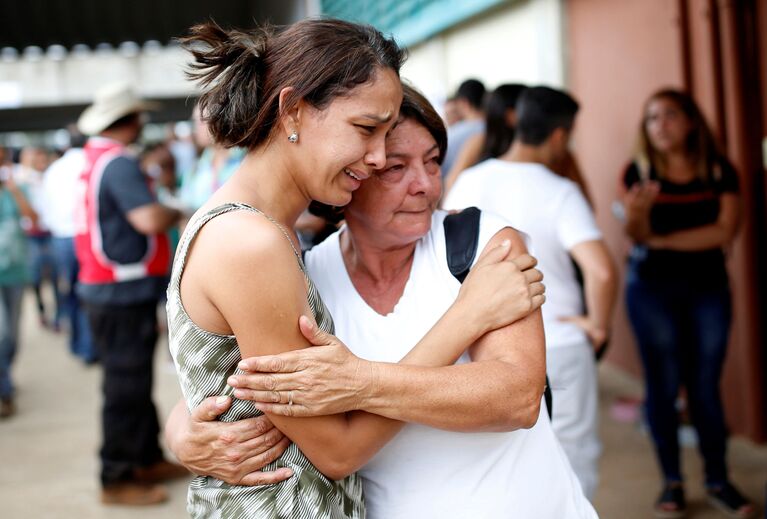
(110, 103)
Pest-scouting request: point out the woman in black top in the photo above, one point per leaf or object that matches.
(681, 203)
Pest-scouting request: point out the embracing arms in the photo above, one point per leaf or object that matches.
(337, 444)
(500, 391)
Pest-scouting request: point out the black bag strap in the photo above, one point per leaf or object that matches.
(461, 240)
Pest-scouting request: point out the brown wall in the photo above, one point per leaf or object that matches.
(618, 53)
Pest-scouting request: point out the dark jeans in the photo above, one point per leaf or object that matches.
(125, 338)
(10, 315)
(682, 328)
(43, 266)
(80, 342)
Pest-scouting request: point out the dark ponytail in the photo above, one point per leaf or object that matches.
(229, 66)
(242, 73)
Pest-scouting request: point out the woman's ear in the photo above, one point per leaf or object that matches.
(290, 118)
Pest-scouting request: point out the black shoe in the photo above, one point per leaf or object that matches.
(727, 499)
(671, 503)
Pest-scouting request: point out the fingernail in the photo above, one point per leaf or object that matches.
(232, 381)
(243, 366)
(238, 393)
(222, 400)
(287, 472)
(505, 243)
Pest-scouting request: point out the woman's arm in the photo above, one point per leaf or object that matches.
(262, 305)
(25, 208)
(718, 234)
(637, 201)
(500, 390)
(509, 361)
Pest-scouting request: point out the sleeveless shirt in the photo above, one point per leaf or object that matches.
(204, 360)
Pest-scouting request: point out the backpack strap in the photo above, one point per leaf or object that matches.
(461, 240)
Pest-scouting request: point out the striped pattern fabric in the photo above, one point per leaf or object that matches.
(204, 361)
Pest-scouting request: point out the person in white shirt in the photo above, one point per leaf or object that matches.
(59, 194)
(385, 278)
(521, 186)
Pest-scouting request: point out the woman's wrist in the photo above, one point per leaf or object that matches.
(368, 378)
(467, 323)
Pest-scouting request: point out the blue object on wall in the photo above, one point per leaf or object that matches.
(410, 21)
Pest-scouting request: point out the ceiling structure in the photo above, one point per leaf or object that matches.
(37, 27)
(43, 23)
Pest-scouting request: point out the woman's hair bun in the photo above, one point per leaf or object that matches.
(243, 72)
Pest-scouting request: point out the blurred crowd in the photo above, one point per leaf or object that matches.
(508, 152)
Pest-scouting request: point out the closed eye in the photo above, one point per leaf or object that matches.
(365, 128)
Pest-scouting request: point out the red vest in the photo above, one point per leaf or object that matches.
(95, 266)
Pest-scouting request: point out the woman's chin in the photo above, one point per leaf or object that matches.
(338, 198)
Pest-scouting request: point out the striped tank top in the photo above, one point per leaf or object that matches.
(204, 360)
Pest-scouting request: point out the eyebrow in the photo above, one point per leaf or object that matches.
(405, 155)
(378, 118)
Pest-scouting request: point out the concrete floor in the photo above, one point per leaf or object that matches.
(48, 451)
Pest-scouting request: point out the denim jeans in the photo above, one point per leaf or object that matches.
(10, 313)
(43, 266)
(682, 328)
(80, 342)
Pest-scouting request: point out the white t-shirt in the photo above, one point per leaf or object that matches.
(59, 193)
(553, 212)
(424, 472)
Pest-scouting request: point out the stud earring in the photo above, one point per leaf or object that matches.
(293, 137)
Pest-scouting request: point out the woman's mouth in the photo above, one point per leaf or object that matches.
(351, 174)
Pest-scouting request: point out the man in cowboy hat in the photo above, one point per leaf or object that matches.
(124, 257)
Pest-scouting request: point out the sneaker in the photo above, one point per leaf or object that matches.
(727, 499)
(133, 493)
(161, 471)
(7, 407)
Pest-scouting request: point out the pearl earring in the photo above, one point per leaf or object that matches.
(293, 137)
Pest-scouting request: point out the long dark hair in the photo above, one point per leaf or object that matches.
(700, 143)
(498, 133)
(243, 72)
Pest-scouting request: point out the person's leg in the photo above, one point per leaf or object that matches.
(34, 258)
(125, 337)
(710, 317)
(7, 346)
(10, 313)
(573, 377)
(50, 272)
(654, 321)
(80, 341)
(66, 270)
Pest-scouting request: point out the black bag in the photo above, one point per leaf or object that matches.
(461, 240)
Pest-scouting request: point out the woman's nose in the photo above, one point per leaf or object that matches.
(420, 181)
(376, 155)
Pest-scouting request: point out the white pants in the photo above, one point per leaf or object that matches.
(573, 377)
